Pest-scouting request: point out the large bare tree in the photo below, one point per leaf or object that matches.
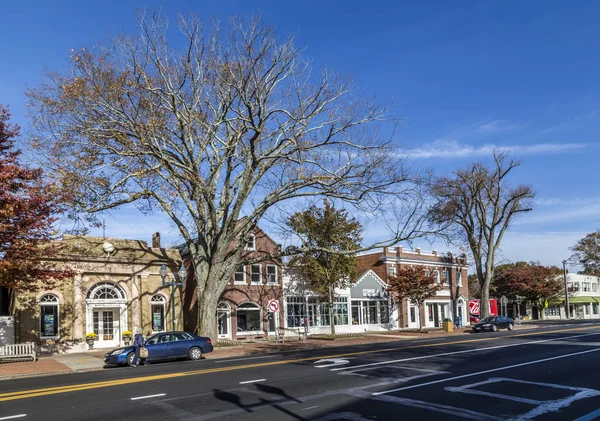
(217, 131)
(477, 206)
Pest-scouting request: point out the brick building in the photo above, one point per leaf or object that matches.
(116, 287)
(450, 271)
(241, 311)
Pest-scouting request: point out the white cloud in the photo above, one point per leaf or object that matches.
(495, 126)
(454, 149)
(566, 202)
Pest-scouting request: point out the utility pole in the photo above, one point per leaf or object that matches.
(567, 306)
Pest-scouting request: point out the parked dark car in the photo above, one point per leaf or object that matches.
(164, 346)
(493, 323)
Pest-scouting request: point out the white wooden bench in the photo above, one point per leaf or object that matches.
(292, 333)
(18, 352)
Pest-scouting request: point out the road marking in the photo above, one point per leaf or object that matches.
(541, 406)
(449, 379)
(26, 394)
(424, 357)
(436, 407)
(591, 416)
(249, 358)
(310, 407)
(149, 396)
(333, 362)
(253, 381)
(12, 417)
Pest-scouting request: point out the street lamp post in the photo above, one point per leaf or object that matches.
(164, 273)
(567, 306)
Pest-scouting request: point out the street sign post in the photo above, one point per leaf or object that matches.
(503, 305)
(519, 301)
(273, 308)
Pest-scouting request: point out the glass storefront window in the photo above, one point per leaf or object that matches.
(248, 318)
(384, 312)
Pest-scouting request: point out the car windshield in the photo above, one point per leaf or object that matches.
(489, 319)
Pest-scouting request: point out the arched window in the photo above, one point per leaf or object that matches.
(49, 323)
(223, 314)
(158, 313)
(248, 318)
(106, 291)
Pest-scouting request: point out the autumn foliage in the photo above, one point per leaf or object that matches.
(27, 206)
(535, 283)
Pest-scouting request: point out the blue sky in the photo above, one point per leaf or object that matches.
(466, 76)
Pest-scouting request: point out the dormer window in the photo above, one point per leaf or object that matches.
(251, 242)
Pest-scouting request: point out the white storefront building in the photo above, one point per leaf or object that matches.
(584, 298)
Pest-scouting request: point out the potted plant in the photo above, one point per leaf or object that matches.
(127, 335)
(90, 338)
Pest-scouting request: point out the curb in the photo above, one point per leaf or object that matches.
(273, 350)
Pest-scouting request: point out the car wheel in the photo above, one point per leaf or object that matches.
(494, 328)
(511, 326)
(130, 358)
(195, 353)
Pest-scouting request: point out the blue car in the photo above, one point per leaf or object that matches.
(164, 346)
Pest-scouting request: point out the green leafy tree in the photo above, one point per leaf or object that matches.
(536, 283)
(415, 283)
(477, 206)
(587, 252)
(331, 236)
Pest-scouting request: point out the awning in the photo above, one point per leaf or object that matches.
(577, 300)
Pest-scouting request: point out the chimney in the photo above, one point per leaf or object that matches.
(156, 240)
(434, 252)
(418, 250)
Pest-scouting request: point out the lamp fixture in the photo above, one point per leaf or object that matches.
(108, 247)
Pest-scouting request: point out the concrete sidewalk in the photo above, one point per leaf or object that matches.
(93, 360)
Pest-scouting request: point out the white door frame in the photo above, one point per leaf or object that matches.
(228, 321)
(119, 306)
(415, 324)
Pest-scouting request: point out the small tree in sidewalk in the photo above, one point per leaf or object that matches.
(416, 284)
(331, 235)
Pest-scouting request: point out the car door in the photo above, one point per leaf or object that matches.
(502, 322)
(181, 344)
(159, 347)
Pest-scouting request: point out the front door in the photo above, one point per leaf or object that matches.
(413, 317)
(224, 324)
(106, 327)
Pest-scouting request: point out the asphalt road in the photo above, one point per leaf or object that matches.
(551, 374)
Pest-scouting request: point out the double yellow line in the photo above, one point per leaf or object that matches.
(26, 394)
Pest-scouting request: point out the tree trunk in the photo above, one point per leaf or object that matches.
(484, 303)
(331, 321)
(419, 307)
(210, 285)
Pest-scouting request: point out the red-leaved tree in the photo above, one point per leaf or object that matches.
(27, 206)
(536, 283)
(414, 283)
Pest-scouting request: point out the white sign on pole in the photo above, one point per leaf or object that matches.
(273, 306)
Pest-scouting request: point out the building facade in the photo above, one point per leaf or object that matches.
(116, 287)
(584, 299)
(367, 305)
(451, 272)
(242, 308)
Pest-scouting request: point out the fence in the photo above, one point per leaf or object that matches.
(18, 352)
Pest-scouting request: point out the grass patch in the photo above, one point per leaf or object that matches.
(337, 336)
